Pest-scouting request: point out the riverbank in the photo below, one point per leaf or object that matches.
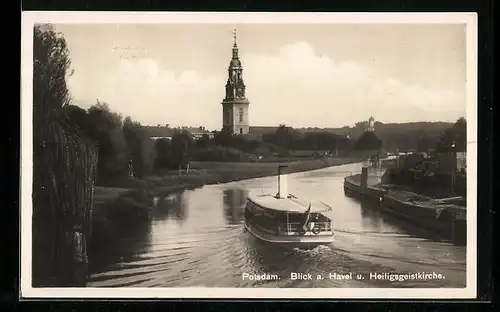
(205, 173)
(130, 204)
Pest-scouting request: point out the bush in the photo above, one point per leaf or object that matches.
(219, 153)
(244, 144)
(261, 151)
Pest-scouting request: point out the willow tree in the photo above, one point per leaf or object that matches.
(64, 170)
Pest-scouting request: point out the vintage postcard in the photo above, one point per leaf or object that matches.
(248, 155)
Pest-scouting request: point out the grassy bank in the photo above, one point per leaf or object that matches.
(118, 207)
(203, 173)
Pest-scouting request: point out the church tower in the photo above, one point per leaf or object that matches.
(371, 124)
(235, 104)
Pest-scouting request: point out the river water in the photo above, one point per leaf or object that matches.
(197, 238)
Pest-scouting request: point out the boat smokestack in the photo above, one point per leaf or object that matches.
(282, 183)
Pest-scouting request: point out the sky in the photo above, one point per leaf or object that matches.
(323, 75)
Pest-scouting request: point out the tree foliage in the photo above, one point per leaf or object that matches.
(182, 145)
(368, 141)
(140, 148)
(394, 136)
(454, 138)
(120, 141)
(163, 155)
(291, 139)
(424, 144)
(51, 64)
(223, 137)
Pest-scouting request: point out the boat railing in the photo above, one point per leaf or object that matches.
(294, 228)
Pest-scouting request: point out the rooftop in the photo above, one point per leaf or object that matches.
(164, 131)
(288, 204)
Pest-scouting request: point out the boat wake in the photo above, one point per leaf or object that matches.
(391, 233)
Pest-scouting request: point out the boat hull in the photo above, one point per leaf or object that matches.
(295, 241)
(444, 224)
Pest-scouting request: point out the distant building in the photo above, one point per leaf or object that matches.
(166, 132)
(199, 132)
(371, 124)
(235, 104)
(160, 132)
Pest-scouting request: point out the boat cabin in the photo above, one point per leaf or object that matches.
(282, 218)
(286, 217)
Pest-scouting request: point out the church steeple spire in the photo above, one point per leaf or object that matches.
(235, 46)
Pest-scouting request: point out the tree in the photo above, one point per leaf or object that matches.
(223, 137)
(64, 166)
(282, 130)
(243, 143)
(360, 127)
(460, 132)
(284, 137)
(454, 138)
(139, 148)
(80, 118)
(368, 141)
(344, 143)
(203, 142)
(107, 131)
(319, 141)
(424, 144)
(181, 145)
(51, 66)
(163, 154)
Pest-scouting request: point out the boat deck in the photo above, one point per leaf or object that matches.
(293, 205)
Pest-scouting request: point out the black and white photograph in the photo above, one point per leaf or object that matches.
(248, 155)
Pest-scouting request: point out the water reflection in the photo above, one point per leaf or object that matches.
(371, 218)
(268, 257)
(131, 242)
(171, 207)
(234, 200)
(375, 217)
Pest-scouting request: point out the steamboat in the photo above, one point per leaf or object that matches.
(286, 220)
